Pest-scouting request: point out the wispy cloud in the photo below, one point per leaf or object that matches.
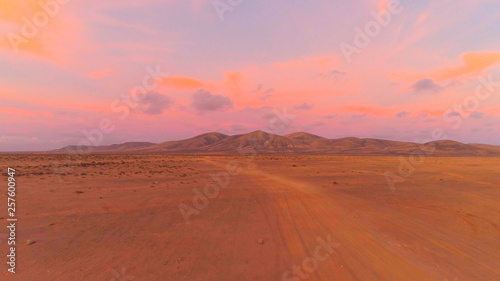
(303, 106)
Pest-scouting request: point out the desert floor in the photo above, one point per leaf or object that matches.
(118, 218)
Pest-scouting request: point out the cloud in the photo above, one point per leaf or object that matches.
(267, 94)
(371, 110)
(453, 113)
(44, 29)
(330, 116)
(206, 101)
(264, 93)
(258, 89)
(181, 83)
(426, 86)
(402, 114)
(154, 103)
(358, 116)
(314, 125)
(337, 72)
(304, 106)
(334, 74)
(473, 64)
(476, 115)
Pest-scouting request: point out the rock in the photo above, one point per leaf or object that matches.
(30, 242)
(260, 241)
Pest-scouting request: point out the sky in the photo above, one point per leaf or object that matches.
(104, 72)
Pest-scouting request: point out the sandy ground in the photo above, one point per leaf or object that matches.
(274, 218)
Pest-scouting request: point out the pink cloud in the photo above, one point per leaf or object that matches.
(178, 82)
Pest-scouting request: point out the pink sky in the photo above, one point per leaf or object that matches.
(71, 65)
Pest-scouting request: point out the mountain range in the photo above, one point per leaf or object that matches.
(296, 143)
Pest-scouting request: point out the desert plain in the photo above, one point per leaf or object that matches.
(267, 217)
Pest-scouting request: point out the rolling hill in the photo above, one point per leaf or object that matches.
(260, 142)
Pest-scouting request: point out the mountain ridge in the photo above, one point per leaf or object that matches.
(260, 142)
